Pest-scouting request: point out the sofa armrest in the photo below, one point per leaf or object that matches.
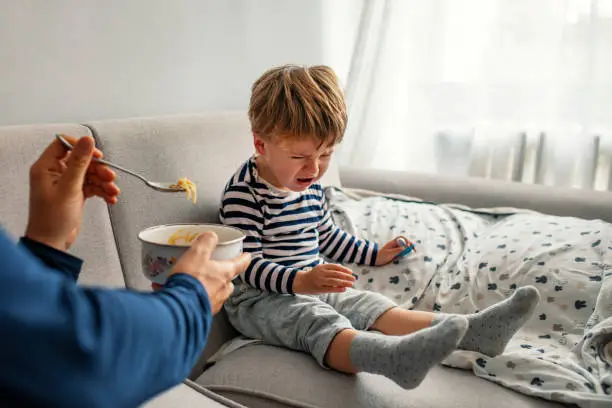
(479, 192)
(190, 395)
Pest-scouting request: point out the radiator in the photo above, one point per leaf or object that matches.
(529, 157)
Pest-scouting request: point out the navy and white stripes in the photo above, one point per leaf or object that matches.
(286, 231)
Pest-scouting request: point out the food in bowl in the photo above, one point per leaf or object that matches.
(163, 245)
(183, 235)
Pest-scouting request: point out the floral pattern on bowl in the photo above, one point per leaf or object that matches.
(158, 256)
(157, 265)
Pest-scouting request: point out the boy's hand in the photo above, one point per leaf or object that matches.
(323, 278)
(391, 250)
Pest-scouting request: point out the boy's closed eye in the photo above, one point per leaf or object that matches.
(303, 156)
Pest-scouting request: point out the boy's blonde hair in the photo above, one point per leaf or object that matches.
(295, 101)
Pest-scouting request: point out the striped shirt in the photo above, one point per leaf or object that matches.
(286, 231)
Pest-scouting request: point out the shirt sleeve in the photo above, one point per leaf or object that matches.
(240, 209)
(339, 245)
(58, 261)
(89, 346)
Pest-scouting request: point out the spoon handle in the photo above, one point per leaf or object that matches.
(68, 146)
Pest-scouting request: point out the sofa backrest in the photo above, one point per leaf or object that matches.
(20, 146)
(206, 148)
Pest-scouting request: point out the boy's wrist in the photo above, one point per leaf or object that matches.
(299, 282)
(375, 253)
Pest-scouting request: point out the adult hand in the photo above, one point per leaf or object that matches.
(391, 250)
(215, 276)
(323, 278)
(60, 182)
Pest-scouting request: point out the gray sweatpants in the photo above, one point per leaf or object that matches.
(303, 322)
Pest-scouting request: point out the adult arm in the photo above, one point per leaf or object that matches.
(65, 345)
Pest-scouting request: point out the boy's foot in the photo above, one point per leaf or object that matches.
(490, 331)
(407, 359)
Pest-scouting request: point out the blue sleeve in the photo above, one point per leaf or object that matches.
(66, 345)
(59, 261)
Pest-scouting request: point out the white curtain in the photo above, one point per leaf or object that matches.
(514, 89)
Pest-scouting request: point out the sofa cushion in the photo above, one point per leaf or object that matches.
(190, 395)
(204, 149)
(20, 147)
(268, 376)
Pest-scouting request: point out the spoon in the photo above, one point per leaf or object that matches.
(155, 185)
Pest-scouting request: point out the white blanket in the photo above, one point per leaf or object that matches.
(467, 260)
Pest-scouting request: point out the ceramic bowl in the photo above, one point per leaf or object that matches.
(163, 245)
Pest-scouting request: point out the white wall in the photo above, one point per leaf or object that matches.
(76, 60)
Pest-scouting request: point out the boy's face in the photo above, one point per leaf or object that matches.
(293, 163)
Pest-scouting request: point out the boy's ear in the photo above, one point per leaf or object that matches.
(259, 143)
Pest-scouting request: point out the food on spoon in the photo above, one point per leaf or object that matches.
(187, 185)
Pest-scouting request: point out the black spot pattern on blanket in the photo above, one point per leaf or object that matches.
(541, 279)
(481, 362)
(579, 304)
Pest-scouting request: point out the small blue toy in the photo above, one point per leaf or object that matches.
(409, 248)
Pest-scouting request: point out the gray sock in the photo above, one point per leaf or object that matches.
(407, 359)
(490, 330)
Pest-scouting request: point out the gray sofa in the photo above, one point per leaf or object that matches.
(207, 148)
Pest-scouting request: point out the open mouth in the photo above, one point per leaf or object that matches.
(305, 180)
